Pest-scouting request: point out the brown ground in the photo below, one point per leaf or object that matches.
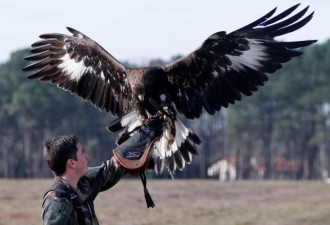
(193, 202)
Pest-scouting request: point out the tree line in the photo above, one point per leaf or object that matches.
(282, 129)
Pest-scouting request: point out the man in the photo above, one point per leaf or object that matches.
(70, 199)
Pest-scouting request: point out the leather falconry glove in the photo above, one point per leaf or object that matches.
(133, 154)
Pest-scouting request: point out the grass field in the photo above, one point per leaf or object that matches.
(193, 202)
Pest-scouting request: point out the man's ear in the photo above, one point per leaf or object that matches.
(71, 163)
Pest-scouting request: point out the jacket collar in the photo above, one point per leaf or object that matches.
(83, 190)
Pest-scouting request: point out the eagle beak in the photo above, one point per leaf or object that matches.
(141, 97)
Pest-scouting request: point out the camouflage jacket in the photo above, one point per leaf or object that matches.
(66, 209)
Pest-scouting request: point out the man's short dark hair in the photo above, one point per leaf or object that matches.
(58, 150)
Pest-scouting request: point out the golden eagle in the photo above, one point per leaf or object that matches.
(217, 73)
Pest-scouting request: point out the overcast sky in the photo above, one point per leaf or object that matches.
(138, 30)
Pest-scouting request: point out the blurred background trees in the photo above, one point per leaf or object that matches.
(282, 130)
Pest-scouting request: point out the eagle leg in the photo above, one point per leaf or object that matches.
(160, 108)
(140, 108)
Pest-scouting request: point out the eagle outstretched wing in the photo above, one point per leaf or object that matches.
(228, 65)
(80, 65)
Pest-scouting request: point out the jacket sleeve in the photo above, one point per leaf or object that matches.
(103, 177)
(56, 211)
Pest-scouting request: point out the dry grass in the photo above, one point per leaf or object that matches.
(192, 202)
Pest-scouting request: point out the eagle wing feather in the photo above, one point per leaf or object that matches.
(78, 64)
(229, 65)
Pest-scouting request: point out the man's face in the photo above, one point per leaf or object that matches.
(81, 162)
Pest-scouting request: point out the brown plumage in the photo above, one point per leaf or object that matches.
(215, 75)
